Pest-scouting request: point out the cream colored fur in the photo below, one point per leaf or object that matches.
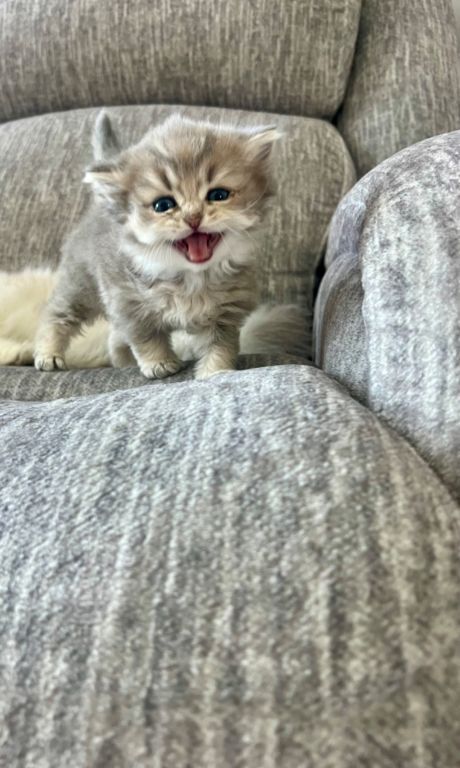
(23, 296)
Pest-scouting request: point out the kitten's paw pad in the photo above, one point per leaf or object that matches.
(161, 369)
(49, 363)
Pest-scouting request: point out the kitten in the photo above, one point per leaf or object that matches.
(168, 244)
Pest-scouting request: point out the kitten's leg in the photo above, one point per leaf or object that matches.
(119, 351)
(68, 308)
(52, 341)
(149, 345)
(155, 357)
(221, 353)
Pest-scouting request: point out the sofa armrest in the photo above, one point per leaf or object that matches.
(387, 318)
(404, 85)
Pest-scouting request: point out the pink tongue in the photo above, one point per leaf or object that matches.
(198, 249)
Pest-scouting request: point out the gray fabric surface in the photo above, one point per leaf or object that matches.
(405, 83)
(340, 331)
(42, 162)
(397, 237)
(250, 571)
(26, 384)
(61, 54)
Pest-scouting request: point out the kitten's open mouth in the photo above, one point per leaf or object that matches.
(199, 246)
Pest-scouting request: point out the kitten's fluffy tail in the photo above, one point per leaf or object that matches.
(271, 330)
(104, 141)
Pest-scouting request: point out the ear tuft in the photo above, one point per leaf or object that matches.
(106, 180)
(102, 174)
(260, 142)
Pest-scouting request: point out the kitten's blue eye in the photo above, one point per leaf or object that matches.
(217, 195)
(164, 204)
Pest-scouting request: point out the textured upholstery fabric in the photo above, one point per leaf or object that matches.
(405, 85)
(340, 331)
(42, 162)
(291, 57)
(247, 571)
(399, 229)
(456, 4)
(26, 384)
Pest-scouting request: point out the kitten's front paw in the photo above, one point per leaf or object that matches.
(160, 369)
(49, 363)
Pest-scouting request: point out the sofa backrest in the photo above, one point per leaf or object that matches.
(286, 56)
(404, 86)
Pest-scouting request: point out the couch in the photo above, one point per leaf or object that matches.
(262, 569)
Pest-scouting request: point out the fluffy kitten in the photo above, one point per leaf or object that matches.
(168, 244)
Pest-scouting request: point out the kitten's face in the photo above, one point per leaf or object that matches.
(190, 194)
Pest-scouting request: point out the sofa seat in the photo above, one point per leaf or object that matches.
(28, 385)
(251, 571)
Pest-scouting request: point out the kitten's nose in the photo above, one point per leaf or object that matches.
(194, 220)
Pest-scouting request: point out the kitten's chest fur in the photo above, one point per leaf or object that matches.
(194, 302)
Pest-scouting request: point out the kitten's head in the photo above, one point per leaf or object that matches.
(190, 194)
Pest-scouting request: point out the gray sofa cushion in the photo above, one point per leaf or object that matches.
(42, 162)
(61, 54)
(26, 384)
(247, 571)
(387, 317)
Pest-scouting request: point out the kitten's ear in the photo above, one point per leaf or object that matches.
(104, 140)
(260, 142)
(106, 180)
